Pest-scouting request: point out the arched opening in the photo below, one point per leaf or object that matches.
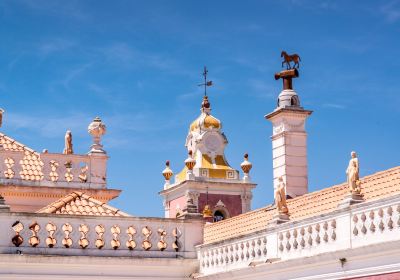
(294, 101)
(218, 216)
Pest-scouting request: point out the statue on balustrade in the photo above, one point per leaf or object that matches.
(68, 143)
(280, 197)
(353, 179)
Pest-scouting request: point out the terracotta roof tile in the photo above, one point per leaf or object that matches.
(375, 186)
(78, 203)
(31, 164)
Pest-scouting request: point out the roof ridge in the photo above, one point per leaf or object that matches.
(56, 206)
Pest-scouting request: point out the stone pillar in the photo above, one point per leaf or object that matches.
(289, 138)
(98, 170)
(246, 201)
(166, 208)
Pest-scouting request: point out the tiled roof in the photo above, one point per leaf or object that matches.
(9, 144)
(375, 186)
(78, 203)
(31, 163)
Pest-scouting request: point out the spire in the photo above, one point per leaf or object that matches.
(206, 82)
(205, 105)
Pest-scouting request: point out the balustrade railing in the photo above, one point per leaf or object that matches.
(376, 225)
(30, 168)
(103, 236)
(233, 254)
(362, 225)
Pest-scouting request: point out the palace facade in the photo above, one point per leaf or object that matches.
(57, 224)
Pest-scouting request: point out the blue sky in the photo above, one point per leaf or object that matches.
(137, 64)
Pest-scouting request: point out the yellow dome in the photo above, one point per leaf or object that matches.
(205, 121)
(210, 121)
(194, 124)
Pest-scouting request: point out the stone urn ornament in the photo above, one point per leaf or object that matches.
(97, 129)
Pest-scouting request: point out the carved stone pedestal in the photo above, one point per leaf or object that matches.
(280, 218)
(3, 206)
(190, 211)
(350, 199)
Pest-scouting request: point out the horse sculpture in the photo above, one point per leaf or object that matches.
(288, 58)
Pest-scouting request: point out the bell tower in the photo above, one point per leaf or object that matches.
(207, 185)
(289, 137)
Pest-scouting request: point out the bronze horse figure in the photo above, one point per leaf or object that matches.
(288, 58)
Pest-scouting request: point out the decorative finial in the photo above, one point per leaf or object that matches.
(205, 105)
(68, 143)
(190, 162)
(167, 173)
(97, 129)
(246, 166)
(207, 212)
(287, 58)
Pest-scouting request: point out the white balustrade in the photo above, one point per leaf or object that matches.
(98, 236)
(363, 224)
(307, 239)
(229, 256)
(376, 225)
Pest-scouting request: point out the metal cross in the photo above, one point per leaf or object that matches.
(206, 83)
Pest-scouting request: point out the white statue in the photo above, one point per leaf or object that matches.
(280, 197)
(68, 143)
(353, 179)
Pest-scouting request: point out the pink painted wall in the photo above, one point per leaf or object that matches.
(181, 201)
(232, 202)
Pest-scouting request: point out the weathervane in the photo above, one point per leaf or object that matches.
(287, 58)
(290, 72)
(206, 83)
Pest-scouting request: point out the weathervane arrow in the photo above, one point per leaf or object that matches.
(206, 83)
